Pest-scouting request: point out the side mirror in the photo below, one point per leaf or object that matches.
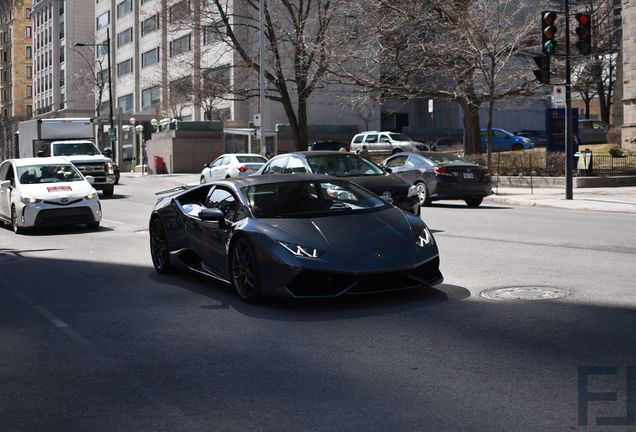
(5, 184)
(40, 153)
(387, 169)
(212, 215)
(90, 179)
(205, 166)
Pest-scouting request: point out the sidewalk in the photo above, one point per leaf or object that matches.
(612, 199)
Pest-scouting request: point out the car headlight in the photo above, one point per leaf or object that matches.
(412, 191)
(108, 167)
(27, 199)
(424, 238)
(91, 195)
(301, 251)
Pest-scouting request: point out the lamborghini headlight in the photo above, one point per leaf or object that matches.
(28, 199)
(91, 195)
(424, 238)
(301, 251)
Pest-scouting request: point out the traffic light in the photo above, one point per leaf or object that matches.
(543, 73)
(584, 32)
(548, 31)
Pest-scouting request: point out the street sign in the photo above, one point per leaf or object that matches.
(558, 96)
(257, 119)
(113, 134)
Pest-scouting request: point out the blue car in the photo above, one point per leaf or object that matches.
(502, 140)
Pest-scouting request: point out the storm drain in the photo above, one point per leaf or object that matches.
(525, 293)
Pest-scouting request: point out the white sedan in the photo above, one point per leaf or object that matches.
(232, 165)
(39, 192)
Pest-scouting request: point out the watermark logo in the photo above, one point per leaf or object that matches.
(588, 395)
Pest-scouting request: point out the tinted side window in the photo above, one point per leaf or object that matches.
(397, 161)
(358, 138)
(371, 138)
(225, 201)
(384, 139)
(4, 169)
(276, 166)
(295, 165)
(217, 162)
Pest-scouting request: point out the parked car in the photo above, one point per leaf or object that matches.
(538, 137)
(502, 140)
(441, 176)
(232, 165)
(328, 145)
(593, 131)
(351, 166)
(298, 236)
(443, 142)
(40, 192)
(383, 142)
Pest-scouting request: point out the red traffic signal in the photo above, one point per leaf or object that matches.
(584, 32)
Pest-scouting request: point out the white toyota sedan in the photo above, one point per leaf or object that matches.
(232, 165)
(41, 192)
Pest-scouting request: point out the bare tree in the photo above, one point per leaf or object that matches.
(297, 54)
(447, 49)
(96, 78)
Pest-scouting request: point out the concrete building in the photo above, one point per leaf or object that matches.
(628, 132)
(16, 71)
(64, 77)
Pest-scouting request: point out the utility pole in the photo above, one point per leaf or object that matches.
(111, 113)
(569, 153)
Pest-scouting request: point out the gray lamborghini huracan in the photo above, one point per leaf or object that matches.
(297, 236)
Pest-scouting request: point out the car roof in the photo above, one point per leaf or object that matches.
(322, 153)
(276, 178)
(241, 154)
(39, 161)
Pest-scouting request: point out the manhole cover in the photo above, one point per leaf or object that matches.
(525, 293)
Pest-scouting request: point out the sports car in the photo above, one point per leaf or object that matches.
(39, 192)
(298, 236)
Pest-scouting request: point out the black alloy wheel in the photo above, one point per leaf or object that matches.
(108, 191)
(243, 271)
(159, 247)
(473, 202)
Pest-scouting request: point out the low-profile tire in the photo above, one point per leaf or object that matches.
(14, 222)
(159, 246)
(108, 191)
(516, 147)
(473, 202)
(243, 272)
(422, 194)
(396, 150)
(93, 225)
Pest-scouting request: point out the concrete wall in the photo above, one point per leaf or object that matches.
(628, 135)
(184, 151)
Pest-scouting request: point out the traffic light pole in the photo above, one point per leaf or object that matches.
(569, 153)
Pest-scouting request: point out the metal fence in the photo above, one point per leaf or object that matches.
(553, 164)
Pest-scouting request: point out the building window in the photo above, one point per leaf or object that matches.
(181, 90)
(124, 7)
(180, 45)
(217, 78)
(101, 49)
(150, 97)
(125, 103)
(149, 25)
(124, 67)
(102, 77)
(144, 1)
(125, 37)
(29, 110)
(103, 20)
(29, 91)
(29, 71)
(213, 33)
(179, 11)
(29, 52)
(28, 31)
(150, 57)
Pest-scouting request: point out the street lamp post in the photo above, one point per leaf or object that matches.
(110, 90)
(140, 130)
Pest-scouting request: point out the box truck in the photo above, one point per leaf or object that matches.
(71, 138)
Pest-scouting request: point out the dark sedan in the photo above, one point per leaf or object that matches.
(350, 166)
(441, 176)
(297, 236)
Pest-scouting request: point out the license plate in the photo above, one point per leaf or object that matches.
(469, 175)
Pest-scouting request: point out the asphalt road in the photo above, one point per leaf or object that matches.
(92, 339)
